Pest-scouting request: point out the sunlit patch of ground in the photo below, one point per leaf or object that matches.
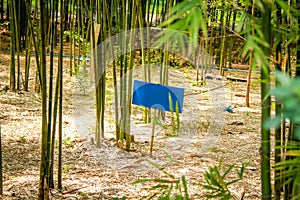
(107, 172)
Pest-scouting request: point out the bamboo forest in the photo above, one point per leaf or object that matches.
(150, 99)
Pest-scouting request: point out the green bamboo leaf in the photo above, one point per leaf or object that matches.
(241, 172)
(160, 186)
(179, 197)
(187, 16)
(141, 181)
(294, 153)
(280, 93)
(168, 155)
(177, 12)
(154, 164)
(154, 195)
(273, 122)
(232, 182)
(289, 10)
(185, 187)
(227, 171)
(259, 40)
(162, 180)
(283, 79)
(296, 186)
(170, 190)
(297, 135)
(194, 24)
(209, 187)
(214, 180)
(290, 104)
(292, 38)
(288, 181)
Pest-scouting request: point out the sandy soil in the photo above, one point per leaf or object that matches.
(108, 171)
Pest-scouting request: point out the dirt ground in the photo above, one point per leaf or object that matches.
(107, 172)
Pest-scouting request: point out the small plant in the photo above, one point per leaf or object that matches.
(216, 182)
(84, 196)
(166, 188)
(6, 23)
(83, 82)
(68, 142)
(23, 138)
(199, 82)
(67, 168)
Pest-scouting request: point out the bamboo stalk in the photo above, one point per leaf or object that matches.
(250, 65)
(134, 16)
(279, 133)
(123, 71)
(144, 52)
(17, 41)
(12, 77)
(266, 103)
(26, 40)
(153, 131)
(50, 94)
(55, 108)
(42, 184)
(72, 36)
(60, 68)
(27, 57)
(114, 76)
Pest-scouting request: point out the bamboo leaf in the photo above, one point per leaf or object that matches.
(288, 9)
(158, 186)
(141, 181)
(227, 171)
(163, 180)
(168, 155)
(185, 187)
(295, 153)
(232, 182)
(154, 195)
(273, 122)
(170, 190)
(160, 168)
